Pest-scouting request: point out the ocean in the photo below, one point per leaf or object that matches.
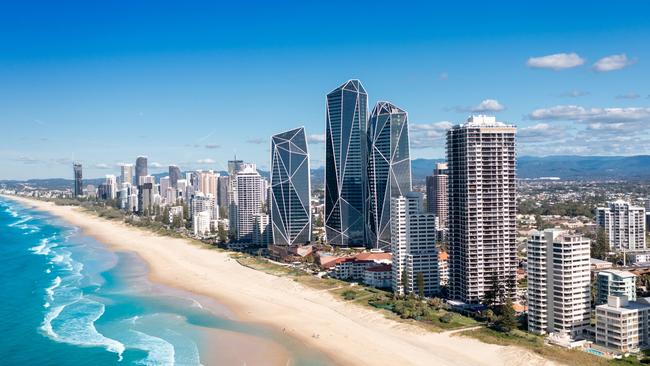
(68, 300)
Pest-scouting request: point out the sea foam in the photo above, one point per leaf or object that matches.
(159, 351)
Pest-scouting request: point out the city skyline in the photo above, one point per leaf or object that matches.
(578, 91)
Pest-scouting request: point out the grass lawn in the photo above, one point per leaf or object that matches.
(536, 344)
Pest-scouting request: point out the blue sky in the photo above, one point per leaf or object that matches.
(193, 83)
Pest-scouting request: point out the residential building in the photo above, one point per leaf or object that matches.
(413, 245)
(126, 173)
(262, 234)
(624, 225)
(247, 198)
(379, 275)
(223, 183)
(389, 169)
(615, 283)
(78, 179)
(437, 195)
(208, 182)
(145, 198)
(174, 212)
(623, 325)
(201, 203)
(352, 268)
(141, 169)
(443, 268)
(201, 223)
(559, 283)
(345, 160)
(174, 175)
(290, 188)
(482, 208)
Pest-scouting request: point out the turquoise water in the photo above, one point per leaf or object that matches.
(70, 301)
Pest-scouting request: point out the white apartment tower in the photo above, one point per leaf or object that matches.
(482, 208)
(624, 225)
(413, 244)
(559, 287)
(437, 198)
(247, 199)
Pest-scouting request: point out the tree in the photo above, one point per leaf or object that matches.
(165, 216)
(222, 234)
(420, 284)
(507, 319)
(494, 295)
(600, 247)
(405, 281)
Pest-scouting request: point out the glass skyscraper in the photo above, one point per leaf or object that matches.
(290, 188)
(345, 164)
(174, 175)
(389, 169)
(78, 179)
(140, 168)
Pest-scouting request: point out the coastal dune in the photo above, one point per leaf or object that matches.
(347, 333)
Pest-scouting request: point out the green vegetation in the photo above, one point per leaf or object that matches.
(535, 344)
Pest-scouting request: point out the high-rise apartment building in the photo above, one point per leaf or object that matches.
(126, 173)
(482, 208)
(437, 195)
(141, 169)
(145, 198)
(389, 169)
(345, 164)
(223, 190)
(208, 182)
(559, 283)
(624, 225)
(78, 179)
(174, 175)
(413, 245)
(290, 188)
(247, 191)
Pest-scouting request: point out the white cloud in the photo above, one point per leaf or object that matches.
(257, 141)
(541, 132)
(206, 161)
(558, 61)
(590, 115)
(156, 165)
(628, 96)
(488, 105)
(102, 166)
(316, 139)
(611, 63)
(429, 134)
(212, 146)
(574, 94)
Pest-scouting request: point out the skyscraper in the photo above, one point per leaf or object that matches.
(78, 179)
(437, 196)
(247, 200)
(482, 208)
(126, 173)
(624, 225)
(389, 169)
(290, 188)
(174, 175)
(559, 283)
(413, 245)
(223, 189)
(345, 164)
(140, 169)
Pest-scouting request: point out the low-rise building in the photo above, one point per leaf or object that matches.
(201, 223)
(378, 276)
(443, 268)
(622, 325)
(615, 283)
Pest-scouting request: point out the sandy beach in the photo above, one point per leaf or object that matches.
(349, 334)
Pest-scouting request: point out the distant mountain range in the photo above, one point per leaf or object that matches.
(567, 167)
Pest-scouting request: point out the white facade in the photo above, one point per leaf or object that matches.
(559, 287)
(126, 173)
(201, 203)
(201, 223)
(247, 200)
(413, 244)
(624, 225)
(623, 325)
(481, 160)
(262, 234)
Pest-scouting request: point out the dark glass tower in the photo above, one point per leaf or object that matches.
(140, 168)
(345, 164)
(389, 169)
(174, 175)
(78, 179)
(290, 188)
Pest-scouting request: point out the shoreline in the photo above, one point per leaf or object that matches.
(347, 334)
